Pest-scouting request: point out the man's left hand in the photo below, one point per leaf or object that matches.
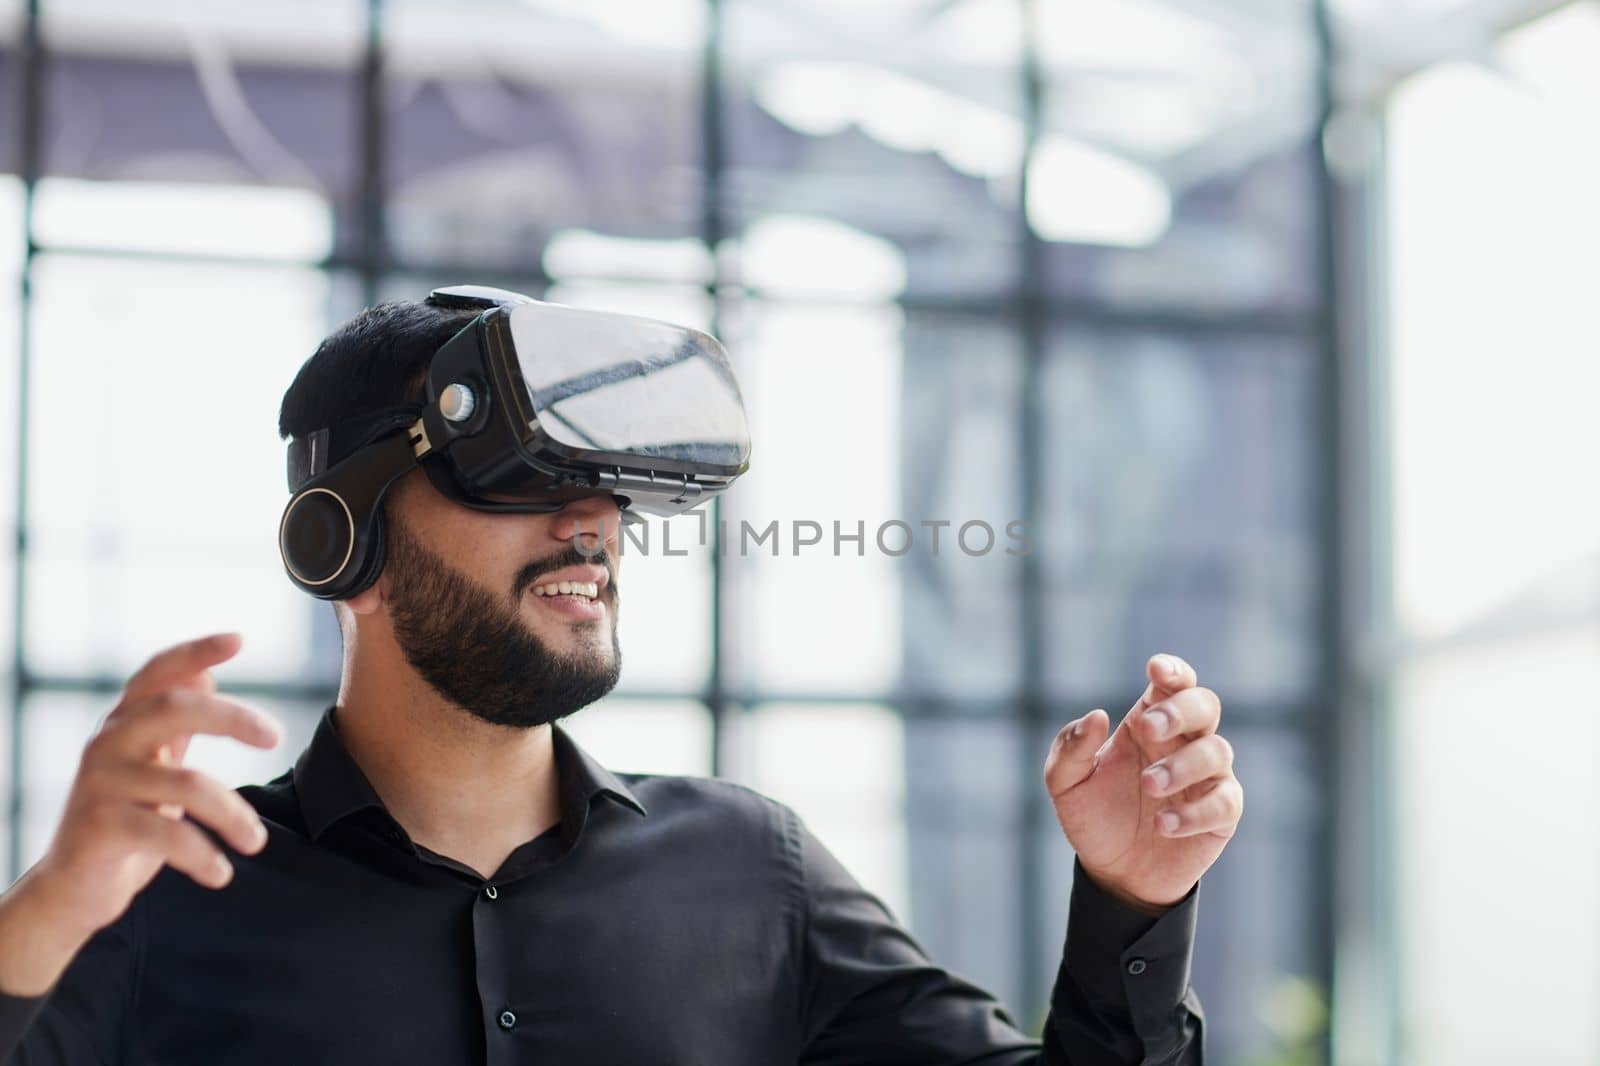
(1149, 810)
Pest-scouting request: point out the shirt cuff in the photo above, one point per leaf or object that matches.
(1132, 967)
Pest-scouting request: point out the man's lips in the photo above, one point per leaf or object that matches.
(579, 592)
(577, 607)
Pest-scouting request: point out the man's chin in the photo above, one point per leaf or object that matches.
(590, 648)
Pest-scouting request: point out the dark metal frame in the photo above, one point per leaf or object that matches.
(1030, 307)
(31, 104)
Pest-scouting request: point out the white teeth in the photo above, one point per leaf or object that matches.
(589, 589)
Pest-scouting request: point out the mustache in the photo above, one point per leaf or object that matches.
(571, 556)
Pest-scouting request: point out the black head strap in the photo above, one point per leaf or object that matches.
(313, 454)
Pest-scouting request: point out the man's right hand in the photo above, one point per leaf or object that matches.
(129, 813)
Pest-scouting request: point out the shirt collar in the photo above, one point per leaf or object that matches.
(331, 786)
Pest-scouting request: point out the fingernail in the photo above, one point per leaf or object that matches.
(1169, 821)
(1160, 722)
(1160, 775)
(224, 871)
(1077, 729)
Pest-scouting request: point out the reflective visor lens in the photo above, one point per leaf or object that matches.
(630, 386)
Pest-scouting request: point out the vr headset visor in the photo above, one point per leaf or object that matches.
(528, 407)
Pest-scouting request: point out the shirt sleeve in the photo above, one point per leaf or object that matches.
(870, 994)
(1123, 994)
(82, 1020)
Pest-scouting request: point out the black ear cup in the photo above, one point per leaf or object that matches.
(328, 550)
(317, 539)
(332, 533)
(374, 552)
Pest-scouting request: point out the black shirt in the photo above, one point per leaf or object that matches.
(664, 920)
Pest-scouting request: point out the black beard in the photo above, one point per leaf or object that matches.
(476, 650)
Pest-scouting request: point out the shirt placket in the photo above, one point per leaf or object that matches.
(491, 934)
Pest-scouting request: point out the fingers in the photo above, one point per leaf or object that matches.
(1072, 753)
(1192, 712)
(179, 664)
(1199, 760)
(143, 728)
(203, 798)
(1168, 674)
(1217, 812)
(180, 845)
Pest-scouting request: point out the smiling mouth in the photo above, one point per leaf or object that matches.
(581, 601)
(581, 590)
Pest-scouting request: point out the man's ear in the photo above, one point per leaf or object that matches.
(367, 600)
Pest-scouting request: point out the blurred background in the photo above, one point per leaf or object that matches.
(1273, 320)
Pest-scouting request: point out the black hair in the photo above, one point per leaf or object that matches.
(376, 360)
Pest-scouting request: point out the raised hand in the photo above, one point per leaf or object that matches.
(132, 809)
(1149, 809)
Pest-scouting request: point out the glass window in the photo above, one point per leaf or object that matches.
(1179, 511)
(964, 846)
(645, 736)
(1175, 165)
(1461, 314)
(1515, 865)
(11, 249)
(13, 19)
(250, 221)
(816, 610)
(835, 111)
(961, 478)
(155, 469)
(1493, 229)
(513, 127)
(11, 261)
(194, 92)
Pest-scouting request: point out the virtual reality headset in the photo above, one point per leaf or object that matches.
(530, 406)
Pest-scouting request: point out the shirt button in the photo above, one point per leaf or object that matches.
(1136, 967)
(507, 1019)
(491, 892)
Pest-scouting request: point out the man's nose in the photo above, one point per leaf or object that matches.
(590, 521)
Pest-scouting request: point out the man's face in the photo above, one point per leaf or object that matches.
(476, 603)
